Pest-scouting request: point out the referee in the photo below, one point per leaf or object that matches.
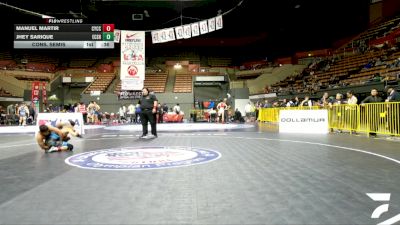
(148, 104)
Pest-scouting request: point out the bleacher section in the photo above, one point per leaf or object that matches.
(8, 64)
(4, 93)
(5, 56)
(352, 63)
(155, 82)
(183, 83)
(32, 58)
(33, 76)
(353, 70)
(82, 62)
(101, 82)
(219, 62)
(377, 31)
(11, 84)
(251, 74)
(346, 65)
(272, 76)
(40, 67)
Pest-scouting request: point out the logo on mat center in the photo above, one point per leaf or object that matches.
(141, 158)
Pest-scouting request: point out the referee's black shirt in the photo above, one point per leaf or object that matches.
(147, 102)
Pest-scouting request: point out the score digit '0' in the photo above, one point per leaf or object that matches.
(108, 27)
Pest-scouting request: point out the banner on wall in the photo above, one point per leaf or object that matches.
(170, 34)
(129, 95)
(211, 25)
(35, 91)
(117, 35)
(163, 35)
(44, 93)
(35, 95)
(218, 23)
(187, 31)
(132, 55)
(178, 32)
(203, 27)
(195, 29)
(154, 37)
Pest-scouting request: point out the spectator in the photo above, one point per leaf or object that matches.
(393, 95)
(336, 110)
(159, 113)
(374, 118)
(266, 104)
(247, 109)
(165, 108)
(23, 113)
(351, 99)
(373, 98)
(122, 111)
(325, 100)
(131, 113)
(393, 111)
(351, 110)
(306, 102)
(238, 116)
(138, 111)
(284, 103)
(177, 108)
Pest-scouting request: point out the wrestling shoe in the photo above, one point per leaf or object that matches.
(70, 147)
(144, 136)
(52, 149)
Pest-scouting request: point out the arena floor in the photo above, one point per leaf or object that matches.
(211, 174)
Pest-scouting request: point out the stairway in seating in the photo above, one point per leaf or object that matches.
(113, 85)
(169, 86)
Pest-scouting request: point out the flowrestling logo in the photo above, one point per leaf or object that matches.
(376, 214)
(142, 158)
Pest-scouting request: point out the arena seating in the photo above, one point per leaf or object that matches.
(34, 58)
(4, 93)
(40, 67)
(7, 64)
(24, 75)
(82, 62)
(253, 73)
(101, 83)
(351, 68)
(219, 62)
(5, 55)
(377, 31)
(183, 83)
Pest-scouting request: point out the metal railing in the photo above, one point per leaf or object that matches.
(371, 118)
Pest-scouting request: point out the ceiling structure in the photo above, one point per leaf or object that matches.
(270, 27)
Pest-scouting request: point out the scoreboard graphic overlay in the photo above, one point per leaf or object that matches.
(64, 36)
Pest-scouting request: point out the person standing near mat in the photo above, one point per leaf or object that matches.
(148, 105)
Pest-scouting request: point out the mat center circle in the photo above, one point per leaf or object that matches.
(139, 158)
